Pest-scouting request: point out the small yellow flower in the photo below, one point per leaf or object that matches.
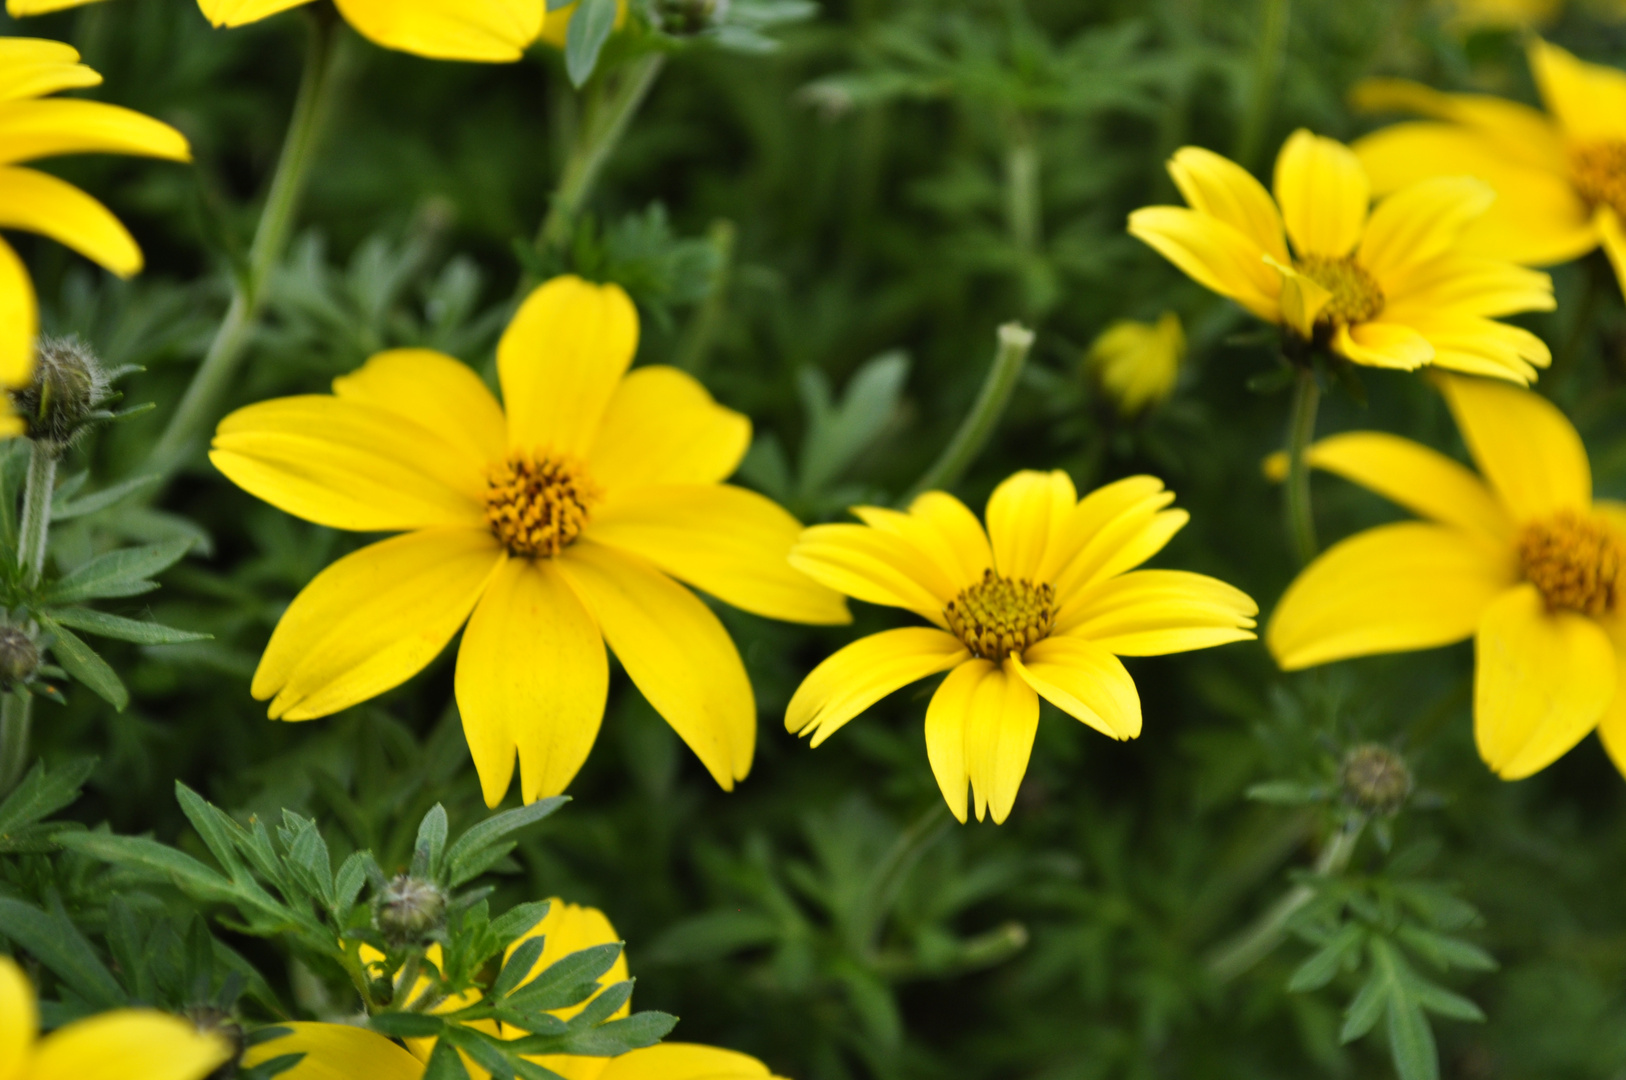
(1520, 558)
(1390, 288)
(1509, 14)
(1042, 604)
(135, 1044)
(1137, 362)
(1560, 177)
(559, 525)
(32, 127)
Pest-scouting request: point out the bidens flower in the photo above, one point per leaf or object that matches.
(1390, 288)
(1524, 561)
(33, 127)
(1560, 178)
(559, 525)
(1040, 605)
(135, 1044)
(1137, 362)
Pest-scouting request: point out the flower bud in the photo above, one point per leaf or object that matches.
(1375, 779)
(685, 17)
(409, 908)
(65, 396)
(19, 657)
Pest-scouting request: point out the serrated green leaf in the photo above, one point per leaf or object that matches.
(517, 920)
(430, 845)
(84, 664)
(102, 624)
(466, 849)
(567, 981)
(589, 29)
(53, 940)
(407, 1025)
(348, 882)
(65, 508)
(635, 1032)
(220, 834)
(518, 966)
(1327, 961)
(42, 793)
(138, 852)
(124, 572)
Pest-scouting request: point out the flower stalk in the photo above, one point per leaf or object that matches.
(16, 707)
(1267, 64)
(1015, 342)
(1300, 433)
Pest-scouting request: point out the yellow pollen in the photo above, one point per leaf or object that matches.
(1356, 297)
(999, 616)
(536, 505)
(1575, 561)
(1599, 171)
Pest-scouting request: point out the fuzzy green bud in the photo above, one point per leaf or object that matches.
(409, 908)
(65, 396)
(1375, 779)
(19, 657)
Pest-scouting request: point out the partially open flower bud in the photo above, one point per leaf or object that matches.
(65, 396)
(683, 17)
(1375, 779)
(409, 908)
(19, 657)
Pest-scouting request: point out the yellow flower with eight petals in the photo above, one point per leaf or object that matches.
(1137, 362)
(1560, 178)
(1042, 604)
(1520, 558)
(32, 127)
(1386, 288)
(137, 1044)
(559, 525)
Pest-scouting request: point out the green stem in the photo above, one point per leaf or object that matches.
(1022, 202)
(890, 874)
(1300, 432)
(1267, 62)
(16, 709)
(610, 111)
(708, 321)
(1015, 341)
(327, 57)
(1261, 939)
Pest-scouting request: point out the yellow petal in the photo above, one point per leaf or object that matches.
(1027, 516)
(684, 1061)
(532, 677)
(942, 530)
(337, 1052)
(1419, 223)
(1000, 724)
(43, 204)
(566, 929)
(1589, 100)
(46, 128)
(1541, 682)
(1476, 346)
(1085, 681)
(1111, 526)
(348, 465)
(19, 1019)
(149, 1045)
(1155, 612)
(1213, 254)
(1222, 189)
(1422, 480)
(1323, 193)
(1383, 344)
(1303, 299)
(1613, 234)
(373, 620)
(662, 427)
(493, 31)
(1458, 285)
(947, 716)
(729, 542)
(560, 361)
(1524, 446)
(37, 71)
(1394, 588)
(243, 12)
(1138, 363)
(876, 567)
(864, 672)
(1612, 727)
(675, 651)
(437, 392)
(1515, 132)
(19, 319)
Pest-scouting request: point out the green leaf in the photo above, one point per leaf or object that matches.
(464, 852)
(407, 1025)
(1446, 952)
(589, 29)
(41, 794)
(567, 981)
(430, 845)
(1320, 968)
(619, 1036)
(444, 1063)
(309, 856)
(1411, 1041)
(83, 663)
(55, 942)
(118, 573)
(65, 508)
(347, 884)
(114, 626)
(139, 852)
(518, 966)
(517, 920)
(1437, 999)
(1285, 792)
(1365, 1009)
(221, 835)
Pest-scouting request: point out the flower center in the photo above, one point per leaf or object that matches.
(1599, 170)
(1356, 297)
(536, 505)
(1575, 561)
(999, 616)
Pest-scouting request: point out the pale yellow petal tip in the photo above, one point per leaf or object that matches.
(1275, 466)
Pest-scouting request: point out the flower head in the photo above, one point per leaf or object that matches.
(1137, 362)
(137, 1044)
(1559, 176)
(551, 524)
(32, 126)
(1520, 558)
(1042, 604)
(1385, 286)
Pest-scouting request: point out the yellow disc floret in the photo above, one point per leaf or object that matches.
(999, 616)
(1575, 560)
(1599, 171)
(537, 504)
(1356, 296)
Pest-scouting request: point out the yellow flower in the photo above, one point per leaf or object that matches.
(336, 1052)
(1521, 558)
(1388, 289)
(494, 31)
(135, 1044)
(1473, 14)
(559, 525)
(1137, 362)
(1560, 177)
(1042, 604)
(30, 128)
